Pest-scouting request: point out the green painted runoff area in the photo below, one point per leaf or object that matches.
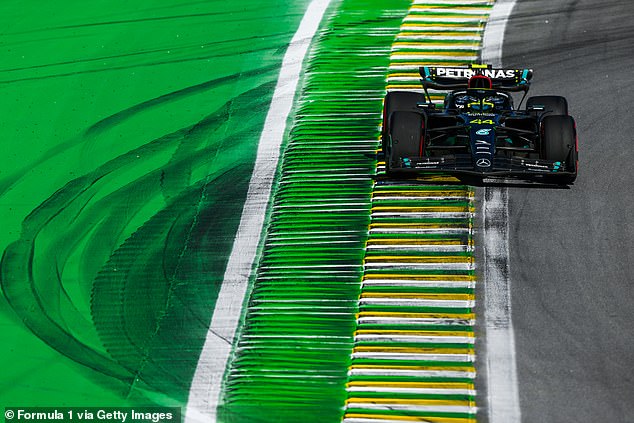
(129, 131)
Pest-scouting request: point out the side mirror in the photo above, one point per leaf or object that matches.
(426, 105)
(536, 108)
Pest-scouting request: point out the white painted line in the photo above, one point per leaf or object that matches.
(414, 321)
(379, 419)
(436, 231)
(459, 18)
(433, 47)
(417, 302)
(438, 57)
(413, 407)
(414, 282)
(454, 3)
(403, 265)
(413, 373)
(409, 67)
(416, 338)
(205, 390)
(449, 13)
(386, 196)
(419, 248)
(502, 383)
(392, 389)
(426, 37)
(500, 338)
(457, 358)
(493, 39)
(411, 280)
(413, 27)
(422, 215)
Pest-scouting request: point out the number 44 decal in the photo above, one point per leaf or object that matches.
(482, 121)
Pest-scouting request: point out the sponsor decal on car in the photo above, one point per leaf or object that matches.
(472, 114)
(483, 146)
(422, 164)
(468, 73)
(536, 167)
(483, 163)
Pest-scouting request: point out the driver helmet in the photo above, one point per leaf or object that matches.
(480, 81)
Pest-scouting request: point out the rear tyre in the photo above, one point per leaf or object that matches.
(553, 105)
(559, 143)
(397, 101)
(405, 137)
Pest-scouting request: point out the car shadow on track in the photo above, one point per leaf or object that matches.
(469, 180)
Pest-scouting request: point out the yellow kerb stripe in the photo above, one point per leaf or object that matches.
(447, 34)
(416, 259)
(414, 332)
(405, 241)
(414, 88)
(413, 350)
(419, 192)
(413, 209)
(466, 316)
(447, 6)
(457, 278)
(412, 225)
(458, 45)
(423, 62)
(435, 53)
(439, 24)
(439, 13)
(405, 418)
(426, 296)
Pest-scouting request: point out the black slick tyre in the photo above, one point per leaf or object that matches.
(552, 105)
(397, 101)
(559, 144)
(405, 137)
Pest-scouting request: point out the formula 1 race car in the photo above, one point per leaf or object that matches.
(478, 131)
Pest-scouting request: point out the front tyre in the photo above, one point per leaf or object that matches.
(552, 105)
(559, 144)
(397, 101)
(405, 138)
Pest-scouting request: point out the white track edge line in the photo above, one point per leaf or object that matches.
(493, 37)
(206, 387)
(501, 365)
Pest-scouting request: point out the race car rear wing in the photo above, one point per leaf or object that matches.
(456, 78)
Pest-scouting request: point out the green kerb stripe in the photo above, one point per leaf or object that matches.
(291, 361)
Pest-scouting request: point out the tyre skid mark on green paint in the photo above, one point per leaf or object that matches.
(113, 264)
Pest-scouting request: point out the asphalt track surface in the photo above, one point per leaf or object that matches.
(571, 249)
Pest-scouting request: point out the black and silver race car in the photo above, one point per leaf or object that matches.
(478, 131)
